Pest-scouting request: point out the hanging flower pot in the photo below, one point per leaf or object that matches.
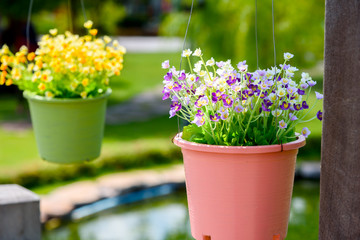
(239, 192)
(240, 147)
(66, 82)
(68, 130)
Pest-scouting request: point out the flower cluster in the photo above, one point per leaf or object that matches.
(232, 106)
(64, 65)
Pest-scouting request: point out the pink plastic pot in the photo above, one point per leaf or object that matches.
(237, 193)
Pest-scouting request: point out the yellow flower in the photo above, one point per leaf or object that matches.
(49, 94)
(31, 56)
(23, 49)
(88, 24)
(9, 82)
(107, 39)
(42, 86)
(85, 82)
(16, 73)
(93, 31)
(87, 38)
(30, 67)
(53, 31)
(2, 79)
(46, 76)
(5, 49)
(3, 67)
(83, 94)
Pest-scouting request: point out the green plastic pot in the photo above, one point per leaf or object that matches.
(68, 130)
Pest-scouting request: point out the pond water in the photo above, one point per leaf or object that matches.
(166, 218)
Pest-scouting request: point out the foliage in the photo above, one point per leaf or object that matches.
(236, 107)
(226, 29)
(64, 66)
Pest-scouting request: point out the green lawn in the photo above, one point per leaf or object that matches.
(141, 72)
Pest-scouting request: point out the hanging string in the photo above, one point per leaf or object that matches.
(183, 48)
(69, 16)
(273, 32)
(28, 25)
(256, 37)
(83, 9)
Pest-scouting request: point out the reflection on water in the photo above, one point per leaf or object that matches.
(166, 218)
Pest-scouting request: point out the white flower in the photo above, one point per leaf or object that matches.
(292, 69)
(165, 64)
(198, 66)
(202, 73)
(272, 97)
(281, 92)
(186, 53)
(191, 79)
(197, 52)
(200, 90)
(276, 113)
(288, 56)
(210, 62)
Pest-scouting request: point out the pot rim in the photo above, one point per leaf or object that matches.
(298, 143)
(31, 96)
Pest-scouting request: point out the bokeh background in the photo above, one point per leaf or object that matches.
(223, 29)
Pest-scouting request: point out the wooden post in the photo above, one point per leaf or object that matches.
(19, 214)
(340, 163)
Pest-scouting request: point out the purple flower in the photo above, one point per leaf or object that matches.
(264, 108)
(263, 86)
(292, 117)
(177, 86)
(301, 92)
(199, 113)
(165, 64)
(298, 107)
(217, 96)
(282, 124)
(242, 66)
(263, 95)
(228, 102)
(183, 76)
(305, 132)
(285, 105)
(267, 103)
(220, 64)
(278, 79)
(168, 76)
(319, 115)
(319, 95)
(199, 120)
(304, 86)
(224, 115)
(291, 90)
(285, 66)
(239, 108)
(311, 83)
(215, 118)
(269, 82)
(261, 73)
(202, 101)
(231, 81)
(166, 95)
(304, 105)
(174, 108)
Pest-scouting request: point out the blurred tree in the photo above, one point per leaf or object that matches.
(64, 14)
(226, 29)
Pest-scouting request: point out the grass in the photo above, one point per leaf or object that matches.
(141, 72)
